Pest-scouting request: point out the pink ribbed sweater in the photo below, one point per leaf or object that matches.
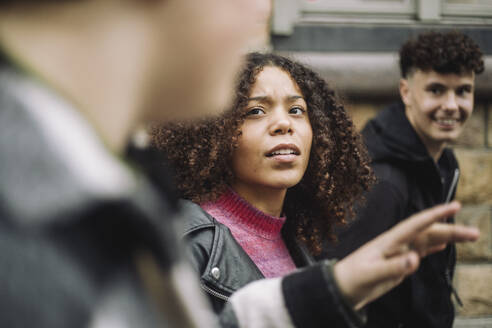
(257, 233)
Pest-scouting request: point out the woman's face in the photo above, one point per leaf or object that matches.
(275, 143)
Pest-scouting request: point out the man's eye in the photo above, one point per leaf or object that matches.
(255, 111)
(296, 110)
(463, 91)
(435, 91)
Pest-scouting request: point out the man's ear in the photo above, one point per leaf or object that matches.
(405, 91)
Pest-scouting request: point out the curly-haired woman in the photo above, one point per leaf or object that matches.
(273, 176)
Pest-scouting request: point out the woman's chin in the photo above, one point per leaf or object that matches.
(285, 183)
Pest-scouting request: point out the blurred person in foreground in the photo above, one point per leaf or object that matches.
(81, 236)
(86, 240)
(415, 170)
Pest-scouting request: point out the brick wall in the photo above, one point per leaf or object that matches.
(473, 278)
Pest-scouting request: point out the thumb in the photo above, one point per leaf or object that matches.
(384, 275)
(396, 267)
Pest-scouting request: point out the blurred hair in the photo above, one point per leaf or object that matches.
(338, 171)
(450, 52)
(31, 3)
(22, 4)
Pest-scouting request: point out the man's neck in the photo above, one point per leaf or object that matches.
(93, 66)
(434, 148)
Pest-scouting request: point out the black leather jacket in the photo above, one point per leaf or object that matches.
(223, 266)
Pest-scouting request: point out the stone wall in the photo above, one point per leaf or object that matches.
(473, 278)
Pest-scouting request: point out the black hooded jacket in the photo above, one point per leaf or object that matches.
(408, 181)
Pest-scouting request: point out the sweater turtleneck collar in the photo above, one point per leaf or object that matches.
(237, 211)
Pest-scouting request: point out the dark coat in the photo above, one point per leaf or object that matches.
(408, 181)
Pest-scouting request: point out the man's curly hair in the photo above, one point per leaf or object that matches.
(337, 174)
(450, 52)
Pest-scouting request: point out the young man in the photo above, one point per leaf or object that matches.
(85, 239)
(415, 170)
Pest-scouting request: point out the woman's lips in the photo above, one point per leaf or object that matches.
(284, 153)
(284, 158)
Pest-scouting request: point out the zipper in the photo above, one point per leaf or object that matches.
(452, 187)
(447, 274)
(448, 282)
(214, 293)
(453, 290)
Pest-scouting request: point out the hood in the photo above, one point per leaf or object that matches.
(391, 137)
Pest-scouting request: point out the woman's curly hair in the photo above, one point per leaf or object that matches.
(449, 52)
(337, 174)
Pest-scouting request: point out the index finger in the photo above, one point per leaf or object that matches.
(406, 231)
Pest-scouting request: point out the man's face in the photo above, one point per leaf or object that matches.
(438, 105)
(201, 48)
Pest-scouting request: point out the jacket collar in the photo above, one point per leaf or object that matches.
(391, 137)
(52, 161)
(396, 138)
(196, 217)
(226, 255)
(226, 266)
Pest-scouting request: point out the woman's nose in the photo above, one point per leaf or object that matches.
(281, 124)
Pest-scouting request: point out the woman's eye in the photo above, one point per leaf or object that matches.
(255, 111)
(296, 110)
